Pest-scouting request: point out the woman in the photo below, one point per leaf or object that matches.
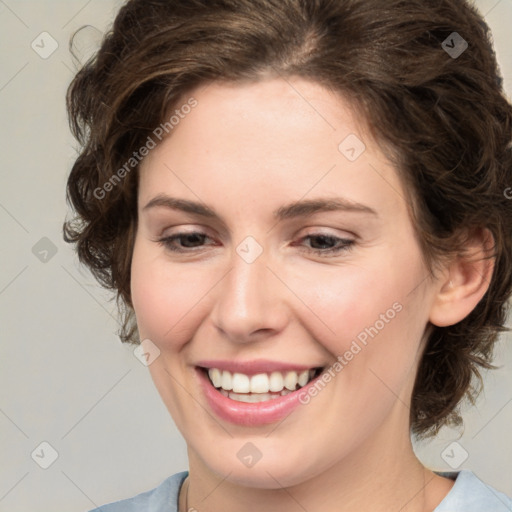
(301, 207)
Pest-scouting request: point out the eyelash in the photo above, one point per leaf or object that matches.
(346, 246)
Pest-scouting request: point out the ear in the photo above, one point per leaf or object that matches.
(465, 281)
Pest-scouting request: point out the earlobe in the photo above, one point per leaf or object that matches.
(465, 282)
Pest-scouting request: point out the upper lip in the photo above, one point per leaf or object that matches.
(256, 366)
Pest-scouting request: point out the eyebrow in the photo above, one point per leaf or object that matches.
(302, 208)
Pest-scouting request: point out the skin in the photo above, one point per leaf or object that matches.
(246, 150)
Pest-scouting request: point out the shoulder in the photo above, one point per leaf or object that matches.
(470, 494)
(163, 498)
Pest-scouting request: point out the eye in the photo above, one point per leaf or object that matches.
(324, 244)
(188, 241)
(320, 243)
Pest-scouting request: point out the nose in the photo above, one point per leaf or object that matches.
(250, 301)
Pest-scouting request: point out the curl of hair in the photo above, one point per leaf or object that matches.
(444, 122)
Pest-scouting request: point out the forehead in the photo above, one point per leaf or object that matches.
(274, 138)
(275, 110)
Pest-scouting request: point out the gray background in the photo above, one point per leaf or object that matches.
(65, 377)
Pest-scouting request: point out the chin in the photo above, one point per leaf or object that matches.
(272, 471)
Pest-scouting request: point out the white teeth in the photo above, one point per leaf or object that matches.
(291, 380)
(252, 399)
(276, 381)
(261, 383)
(227, 381)
(303, 378)
(216, 377)
(241, 383)
(258, 397)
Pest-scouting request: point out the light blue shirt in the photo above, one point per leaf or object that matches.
(469, 494)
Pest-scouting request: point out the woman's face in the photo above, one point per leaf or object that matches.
(268, 286)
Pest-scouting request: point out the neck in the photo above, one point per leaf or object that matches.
(382, 474)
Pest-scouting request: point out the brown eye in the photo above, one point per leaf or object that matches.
(322, 244)
(187, 241)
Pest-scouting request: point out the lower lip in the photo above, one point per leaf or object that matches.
(251, 414)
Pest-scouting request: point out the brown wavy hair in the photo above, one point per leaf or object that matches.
(442, 119)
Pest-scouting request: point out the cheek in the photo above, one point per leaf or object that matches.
(167, 300)
(366, 317)
(367, 309)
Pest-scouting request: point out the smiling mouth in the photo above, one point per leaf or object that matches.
(260, 387)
